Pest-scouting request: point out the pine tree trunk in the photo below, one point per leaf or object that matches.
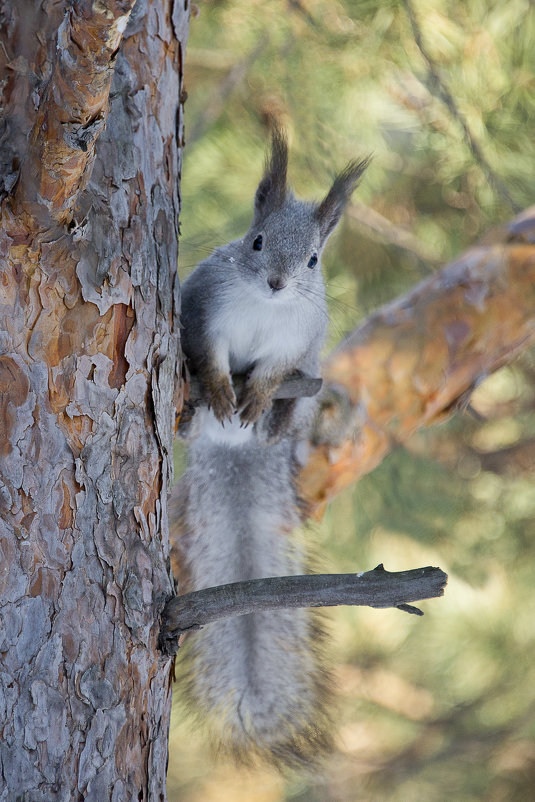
(89, 365)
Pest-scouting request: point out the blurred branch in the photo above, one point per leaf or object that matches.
(518, 459)
(458, 737)
(377, 588)
(218, 101)
(296, 385)
(390, 232)
(415, 361)
(437, 86)
(299, 8)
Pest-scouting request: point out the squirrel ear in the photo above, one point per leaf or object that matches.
(271, 190)
(330, 210)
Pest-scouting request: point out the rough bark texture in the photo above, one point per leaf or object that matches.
(88, 368)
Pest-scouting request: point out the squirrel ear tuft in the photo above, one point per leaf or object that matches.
(271, 190)
(330, 210)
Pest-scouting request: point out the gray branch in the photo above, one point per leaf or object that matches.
(377, 588)
(295, 385)
(387, 231)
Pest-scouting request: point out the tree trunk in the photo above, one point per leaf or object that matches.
(88, 369)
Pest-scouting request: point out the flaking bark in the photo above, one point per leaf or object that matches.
(88, 368)
(71, 113)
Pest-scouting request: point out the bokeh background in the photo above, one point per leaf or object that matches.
(443, 94)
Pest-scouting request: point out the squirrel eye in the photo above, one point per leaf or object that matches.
(313, 261)
(257, 244)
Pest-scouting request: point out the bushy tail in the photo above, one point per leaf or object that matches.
(256, 678)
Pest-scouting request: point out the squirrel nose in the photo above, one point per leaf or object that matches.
(276, 283)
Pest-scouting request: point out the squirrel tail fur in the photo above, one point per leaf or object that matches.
(256, 678)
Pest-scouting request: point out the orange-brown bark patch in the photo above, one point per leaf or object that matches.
(123, 320)
(14, 389)
(65, 519)
(78, 429)
(44, 583)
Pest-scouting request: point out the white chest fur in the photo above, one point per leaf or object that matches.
(253, 328)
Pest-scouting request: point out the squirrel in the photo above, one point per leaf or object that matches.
(257, 307)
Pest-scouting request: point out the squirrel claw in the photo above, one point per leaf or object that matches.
(223, 402)
(251, 411)
(255, 399)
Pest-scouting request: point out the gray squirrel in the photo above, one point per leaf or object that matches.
(257, 307)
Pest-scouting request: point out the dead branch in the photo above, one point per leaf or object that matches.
(377, 588)
(438, 87)
(296, 385)
(390, 233)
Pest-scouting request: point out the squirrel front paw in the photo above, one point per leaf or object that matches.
(254, 400)
(222, 399)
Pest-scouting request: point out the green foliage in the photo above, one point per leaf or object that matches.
(441, 707)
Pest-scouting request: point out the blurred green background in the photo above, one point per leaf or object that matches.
(443, 94)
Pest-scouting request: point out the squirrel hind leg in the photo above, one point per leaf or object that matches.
(277, 422)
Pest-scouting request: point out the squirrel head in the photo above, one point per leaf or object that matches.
(284, 244)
